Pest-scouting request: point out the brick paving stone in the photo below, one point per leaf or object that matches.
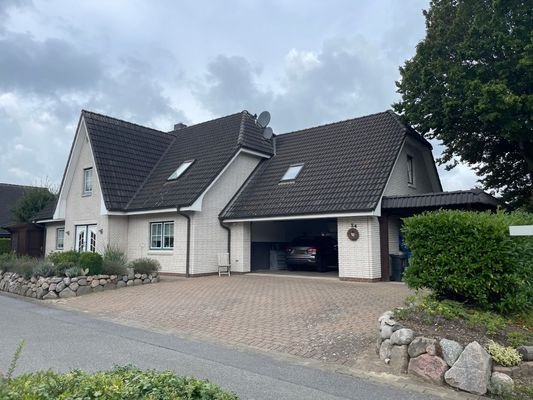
(312, 318)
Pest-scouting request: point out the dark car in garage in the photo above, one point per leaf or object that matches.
(318, 252)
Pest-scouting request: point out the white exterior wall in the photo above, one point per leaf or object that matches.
(80, 209)
(394, 235)
(138, 243)
(208, 238)
(425, 176)
(118, 227)
(51, 233)
(240, 247)
(359, 259)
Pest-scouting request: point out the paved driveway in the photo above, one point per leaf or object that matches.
(322, 319)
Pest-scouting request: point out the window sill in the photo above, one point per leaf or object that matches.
(162, 252)
(86, 195)
(412, 186)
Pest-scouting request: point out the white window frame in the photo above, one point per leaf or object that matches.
(88, 236)
(88, 183)
(411, 177)
(60, 245)
(184, 166)
(166, 239)
(288, 176)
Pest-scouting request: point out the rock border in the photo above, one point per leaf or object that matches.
(64, 287)
(469, 368)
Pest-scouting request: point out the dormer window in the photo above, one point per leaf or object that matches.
(292, 173)
(87, 181)
(181, 170)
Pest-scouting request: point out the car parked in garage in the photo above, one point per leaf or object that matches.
(318, 252)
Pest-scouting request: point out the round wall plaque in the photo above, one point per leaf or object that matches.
(353, 234)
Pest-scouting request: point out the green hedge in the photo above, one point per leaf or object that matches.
(5, 245)
(470, 257)
(119, 383)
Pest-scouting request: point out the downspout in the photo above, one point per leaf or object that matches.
(227, 228)
(188, 253)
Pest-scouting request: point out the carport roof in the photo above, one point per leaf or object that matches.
(346, 166)
(475, 198)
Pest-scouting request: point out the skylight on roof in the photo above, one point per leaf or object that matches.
(181, 169)
(292, 172)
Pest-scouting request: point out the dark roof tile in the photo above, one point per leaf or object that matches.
(346, 167)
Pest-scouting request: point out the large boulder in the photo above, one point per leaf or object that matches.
(50, 295)
(402, 337)
(420, 346)
(471, 371)
(501, 384)
(526, 352)
(384, 350)
(66, 293)
(429, 368)
(60, 286)
(399, 359)
(451, 350)
(386, 331)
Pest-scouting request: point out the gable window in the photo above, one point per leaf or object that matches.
(162, 235)
(410, 171)
(60, 238)
(292, 172)
(181, 170)
(87, 181)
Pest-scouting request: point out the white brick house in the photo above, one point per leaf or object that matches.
(184, 196)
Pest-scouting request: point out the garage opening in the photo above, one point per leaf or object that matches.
(298, 246)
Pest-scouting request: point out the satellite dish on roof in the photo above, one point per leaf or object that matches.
(268, 132)
(263, 119)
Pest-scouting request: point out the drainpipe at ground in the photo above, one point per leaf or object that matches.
(228, 229)
(188, 252)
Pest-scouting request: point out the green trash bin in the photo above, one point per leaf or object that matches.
(398, 263)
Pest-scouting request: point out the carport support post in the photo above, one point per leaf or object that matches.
(384, 247)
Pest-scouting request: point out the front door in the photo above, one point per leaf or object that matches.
(85, 238)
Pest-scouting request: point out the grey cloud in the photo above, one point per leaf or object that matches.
(344, 79)
(48, 66)
(230, 86)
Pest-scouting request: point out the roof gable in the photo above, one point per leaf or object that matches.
(125, 154)
(346, 167)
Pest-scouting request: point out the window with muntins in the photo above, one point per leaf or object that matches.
(292, 172)
(162, 235)
(87, 181)
(410, 170)
(60, 238)
(181, 170)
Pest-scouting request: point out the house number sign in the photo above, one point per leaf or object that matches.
(353, 233)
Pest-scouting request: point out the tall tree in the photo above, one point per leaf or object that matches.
(33, 201)
(470, 85)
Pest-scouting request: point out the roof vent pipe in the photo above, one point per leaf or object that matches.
(179, 126)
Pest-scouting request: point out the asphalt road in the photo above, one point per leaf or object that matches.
(63, 340)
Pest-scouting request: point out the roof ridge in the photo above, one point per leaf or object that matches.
(151, 172)
(181, 130)
(83, 111)
(240, 137)
(332, 123)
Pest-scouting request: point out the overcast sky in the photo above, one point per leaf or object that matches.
(160, 62)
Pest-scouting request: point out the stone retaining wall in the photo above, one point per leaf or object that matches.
(469, 368)
(64, 287)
